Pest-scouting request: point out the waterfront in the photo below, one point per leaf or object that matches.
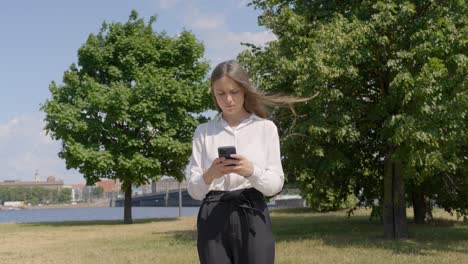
(91, 214)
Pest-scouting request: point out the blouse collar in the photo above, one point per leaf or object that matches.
(220, 120)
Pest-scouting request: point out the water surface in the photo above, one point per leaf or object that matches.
(91, 214)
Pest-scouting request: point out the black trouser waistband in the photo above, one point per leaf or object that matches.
(251, 194)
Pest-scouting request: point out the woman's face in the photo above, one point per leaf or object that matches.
(229, 95)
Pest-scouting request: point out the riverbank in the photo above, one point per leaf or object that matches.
(302, 236)
(96, 204)
(60, 206)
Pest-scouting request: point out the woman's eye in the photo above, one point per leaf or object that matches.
(220, 94)
(235, 92)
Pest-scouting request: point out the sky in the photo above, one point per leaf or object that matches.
(40, 39)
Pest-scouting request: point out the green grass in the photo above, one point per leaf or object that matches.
(302, 236)
(307, 237)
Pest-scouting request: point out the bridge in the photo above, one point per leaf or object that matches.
(170, 198)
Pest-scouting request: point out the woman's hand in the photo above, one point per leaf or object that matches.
(242, 166)
(217, 169)
(221, 166)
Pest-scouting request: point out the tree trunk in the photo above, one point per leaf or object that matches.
(394, 209)
(421, 207)
(166, 199)
(180, 200)
(128, 205)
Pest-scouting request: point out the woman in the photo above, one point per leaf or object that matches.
(233, 222)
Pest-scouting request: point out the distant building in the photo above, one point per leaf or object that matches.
(110, 187)
(77, 192)
(50, 183)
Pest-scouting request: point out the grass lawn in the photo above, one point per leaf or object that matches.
(302, 236)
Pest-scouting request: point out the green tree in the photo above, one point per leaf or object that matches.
(97, 192)
(393, 104)
(65, 195)
(129, 107)
(34, 195)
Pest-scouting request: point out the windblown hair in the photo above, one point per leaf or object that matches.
(256, 101)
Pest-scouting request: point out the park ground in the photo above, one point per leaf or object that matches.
(302, 236)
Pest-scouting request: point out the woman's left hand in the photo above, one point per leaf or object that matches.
(242, 166)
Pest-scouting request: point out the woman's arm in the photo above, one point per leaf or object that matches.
(270, 179)
(197, 187)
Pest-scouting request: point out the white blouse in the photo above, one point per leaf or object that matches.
(254, 138)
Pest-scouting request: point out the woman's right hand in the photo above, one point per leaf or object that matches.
(217, 169)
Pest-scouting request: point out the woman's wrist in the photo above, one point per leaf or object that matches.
(207, 178)
(249, 173)
(250, 169)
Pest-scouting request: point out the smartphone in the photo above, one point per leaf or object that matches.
(226, 151)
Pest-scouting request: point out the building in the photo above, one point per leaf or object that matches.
(50, 183)
(110, 187)
(77, 192)
(81, 192)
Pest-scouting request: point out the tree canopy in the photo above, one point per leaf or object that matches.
(390, 121)
(128, 108)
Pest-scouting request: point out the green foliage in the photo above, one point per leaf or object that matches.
(35, 195)
(98, 192)
(128, 109)
(389, 73)
(65, 195)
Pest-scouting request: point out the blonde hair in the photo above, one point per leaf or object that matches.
(256, 101)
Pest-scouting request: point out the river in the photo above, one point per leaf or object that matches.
(91, 214)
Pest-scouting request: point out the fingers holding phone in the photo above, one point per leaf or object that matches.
(215, 171)
(243, 166)
(228, 162)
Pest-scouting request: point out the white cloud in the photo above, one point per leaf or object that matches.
(206, 23)
(224, 45)
(167, 4)
(258, 38)
(24, 148)
(196, 20)
(221, 42)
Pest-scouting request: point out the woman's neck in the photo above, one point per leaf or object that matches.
(235, 119)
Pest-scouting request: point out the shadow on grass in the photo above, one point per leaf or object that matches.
(97, 222)
(357, 231)
(186, 236)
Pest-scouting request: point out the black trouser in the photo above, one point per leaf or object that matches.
(234, 227)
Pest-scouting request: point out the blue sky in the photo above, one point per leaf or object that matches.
(40, 39)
